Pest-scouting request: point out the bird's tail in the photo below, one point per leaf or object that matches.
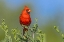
(24, 30)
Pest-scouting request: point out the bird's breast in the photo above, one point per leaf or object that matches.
(25, 20)
(26, 16)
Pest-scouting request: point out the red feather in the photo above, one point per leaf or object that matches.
(25, 18)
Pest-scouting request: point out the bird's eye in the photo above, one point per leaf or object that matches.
(27, 10)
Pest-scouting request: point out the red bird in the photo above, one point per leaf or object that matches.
(25, 18)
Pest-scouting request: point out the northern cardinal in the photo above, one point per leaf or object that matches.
(25, 18)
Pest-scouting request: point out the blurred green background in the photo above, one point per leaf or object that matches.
(49, 13)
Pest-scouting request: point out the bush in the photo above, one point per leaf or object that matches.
(22, 38)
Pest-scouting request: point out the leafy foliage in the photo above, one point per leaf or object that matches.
(5, 29)
(22, 38)
(57, 29)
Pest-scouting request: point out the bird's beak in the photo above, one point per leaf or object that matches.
(29, 10)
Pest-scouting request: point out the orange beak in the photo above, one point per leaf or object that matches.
(29, 10)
